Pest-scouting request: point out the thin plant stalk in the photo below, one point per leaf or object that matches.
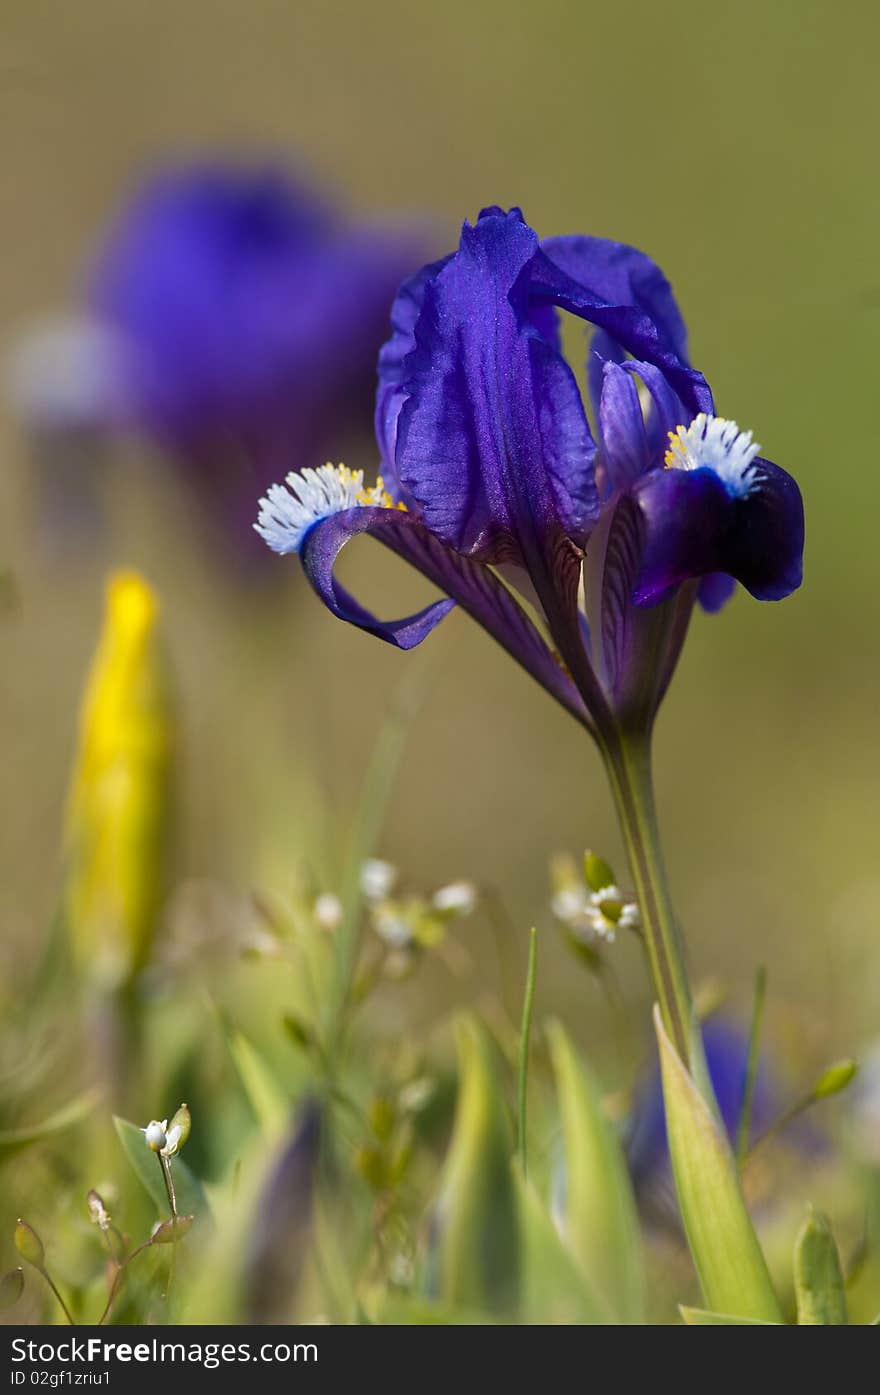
(167, 1178)
(628, 764)
(525, 1034)
(745, 1117)
(54, 1287)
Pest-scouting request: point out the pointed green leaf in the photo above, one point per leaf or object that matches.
(188, 1189)
(725, 1249)
(700, 1317)
(554, 1287)
(818, 1279)
(474, 1261)
(601, 1224)
(265, 1096)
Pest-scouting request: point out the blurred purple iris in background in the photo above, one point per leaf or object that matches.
(233, 318)
(497, 487)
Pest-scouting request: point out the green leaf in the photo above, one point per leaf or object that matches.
(554, 1287)
(601, 1224)
(818, 1279)
(700, 1317)
(11, 1140)
(725, 1249)
(265, 1096)
(191, 1199)
(474, 1262)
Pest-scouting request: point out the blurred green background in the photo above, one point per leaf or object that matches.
(736, 144)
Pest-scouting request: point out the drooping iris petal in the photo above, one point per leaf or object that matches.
(622, 275)
(715, 591)
(492, 440)
(622, 314)
(696, 526)
(470, 584)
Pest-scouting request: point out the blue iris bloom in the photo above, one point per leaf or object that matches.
(499, 487)
(234, 319)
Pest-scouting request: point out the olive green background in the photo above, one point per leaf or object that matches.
(734, 143)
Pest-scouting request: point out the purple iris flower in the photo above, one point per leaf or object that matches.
(234, 320)
(496, 486)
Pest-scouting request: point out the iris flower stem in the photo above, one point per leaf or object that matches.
(628, 764)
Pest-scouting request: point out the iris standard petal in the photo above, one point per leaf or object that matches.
(624, 318)
(622, 275)
(622, 431)
(492, 440)
(467, 583)
(391, 394)
(696, 526)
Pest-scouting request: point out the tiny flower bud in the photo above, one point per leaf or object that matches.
(597, 872)
(29, 1244)
(155, 1135)
(377, 879)
(97, 1210)
(834, 1079)
(297, 1030)
(327, 911)
(11, 1288)
(178, 1131)
(382, 1115)
(392, 926)
(371, 1165)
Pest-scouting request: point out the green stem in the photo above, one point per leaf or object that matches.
(628, 763)
(525, 1033)
(744, 1127)
(54, 1287)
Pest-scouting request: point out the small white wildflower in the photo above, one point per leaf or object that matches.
(166, 1141)
(458, 898)
(392, 926)
(630, 917)
(569, 903)
(156, 1136)
(377, 878)
(327, 911)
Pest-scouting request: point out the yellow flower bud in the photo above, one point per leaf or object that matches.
(118, 812)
